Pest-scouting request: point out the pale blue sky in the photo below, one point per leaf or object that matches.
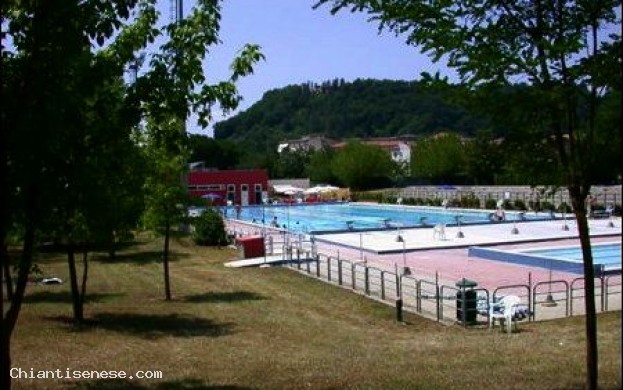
(302, 44)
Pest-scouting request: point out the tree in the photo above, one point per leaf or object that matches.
(292, 164)
(221, 154)
(51, 74)
(439, 159)
(172, 88)
(483, 158)
(361, 166)
(559, 47)
(320, 166)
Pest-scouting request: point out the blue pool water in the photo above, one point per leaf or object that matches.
(606, 257)
(340, 217)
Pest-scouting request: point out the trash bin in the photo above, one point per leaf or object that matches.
(251, 247)
(466, 299)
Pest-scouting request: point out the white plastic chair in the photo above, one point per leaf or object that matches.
(439, 231)
(504, 310)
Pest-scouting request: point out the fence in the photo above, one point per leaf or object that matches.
(442, 300)
(604, 195)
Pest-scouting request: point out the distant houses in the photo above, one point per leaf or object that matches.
(308, 142)
(399, 148)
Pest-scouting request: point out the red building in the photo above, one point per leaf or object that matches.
(241, 187)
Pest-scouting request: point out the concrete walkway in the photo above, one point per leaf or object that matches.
(385, 242)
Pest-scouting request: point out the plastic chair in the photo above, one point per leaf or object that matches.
(439, 231)
(504, 310)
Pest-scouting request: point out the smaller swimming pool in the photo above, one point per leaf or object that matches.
(606, 257)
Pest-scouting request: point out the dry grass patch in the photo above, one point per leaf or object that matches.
(273, 328)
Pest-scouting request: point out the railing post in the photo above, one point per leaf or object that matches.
(530, 302)
(367, 280)
(601, 289)
(329, 268)
(318, 265)
(437, 300)
(383, 285)
(339, 272)
(308, 266)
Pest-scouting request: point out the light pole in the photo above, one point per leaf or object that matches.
(361, 245)
(459, 234)
(405, 270)
(549, 299)
(514, 230)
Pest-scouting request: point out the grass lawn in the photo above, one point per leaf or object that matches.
(273, 328)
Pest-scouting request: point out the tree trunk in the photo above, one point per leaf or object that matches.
(589, 292)
(6, 270)
(5, 352)
(10, 318)
(85, 274)
(165, 261)
(73, 278)
(5, 358)
(112, 243)
(8, 281)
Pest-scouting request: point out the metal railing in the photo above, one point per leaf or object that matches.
(440, 300)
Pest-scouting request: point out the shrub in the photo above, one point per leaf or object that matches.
(520, 205)
(470, 202)
(508, 205)
(210, 229)
(491, 204)
(564, 208)
(547, 206)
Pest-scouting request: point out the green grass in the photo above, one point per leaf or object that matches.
(273, 328)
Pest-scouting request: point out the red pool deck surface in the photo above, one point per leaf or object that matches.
(451, 265)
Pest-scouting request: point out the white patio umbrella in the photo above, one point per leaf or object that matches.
(286, 189)
(328, 188)
(312, 190)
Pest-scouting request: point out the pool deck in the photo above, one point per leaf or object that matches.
(385, 242)
(448, 259)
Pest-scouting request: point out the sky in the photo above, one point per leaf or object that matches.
(302, 44)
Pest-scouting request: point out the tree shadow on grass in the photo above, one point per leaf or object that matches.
(214, 297)
(181, 384)
(65, 297)
(153, 326)
(140, 258)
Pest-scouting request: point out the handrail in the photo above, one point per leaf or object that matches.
(551, 283)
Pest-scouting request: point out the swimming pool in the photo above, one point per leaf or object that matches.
(343, 217)
(606, 257)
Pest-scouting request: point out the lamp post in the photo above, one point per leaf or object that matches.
(459, 234)
(549, 299)
(361, 245)
(565, 227)
(405, 270)
(514, 230)
(264, 200)
(288, 225)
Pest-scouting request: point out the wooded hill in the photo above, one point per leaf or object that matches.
(362, 108)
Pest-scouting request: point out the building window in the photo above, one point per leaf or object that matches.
(211, 187)
(231, 193)
(258, 194)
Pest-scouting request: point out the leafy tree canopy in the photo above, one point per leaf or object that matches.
(362, 108)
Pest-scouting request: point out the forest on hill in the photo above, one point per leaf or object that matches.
(362, 108)
(496, 134)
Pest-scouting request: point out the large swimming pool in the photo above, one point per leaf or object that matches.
(342, 217)
(606, 257)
